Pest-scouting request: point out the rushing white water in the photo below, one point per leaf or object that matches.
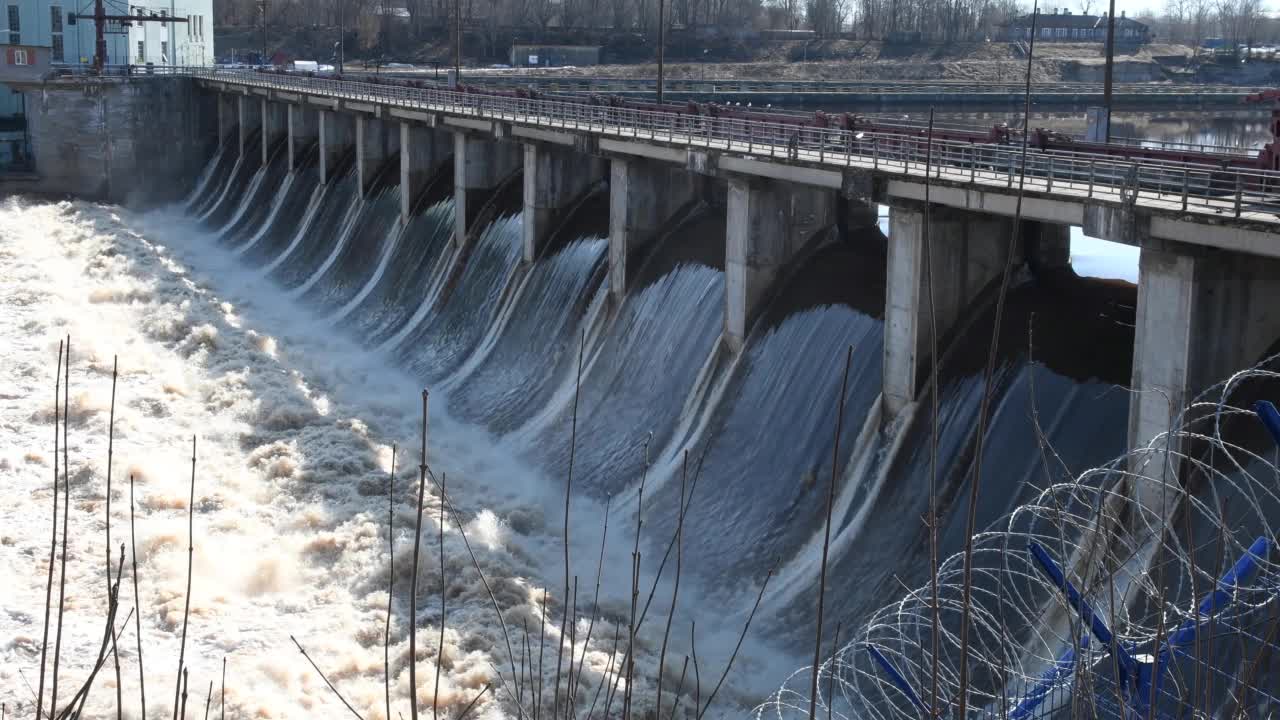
(293, 427)
(249, 348)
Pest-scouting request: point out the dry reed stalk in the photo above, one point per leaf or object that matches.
(66, 502)
(568, 491)
(484, 581)
(988, 374)
(208, 698)
(1264, 649)
(53, 542)
(523, 680)
(115, 656)
(635, 592)
(831, 677)
(826, 536)
(1213, 618)
(111, 436)
(191, 551)
(542, 646)
(671, 544)
(653, 588)
(675, 705)
(595, 602)
(137, 618)
(222, 699)
(473, 702)
(936, 619)
(697, 676)
(435, 698)
(604, 680)
(745, 627)
(1195, 614)
(391, 579)
(76, 705)
(325, 679)
(569, 697)
(631, 658)
(413, 586)
(675, 591)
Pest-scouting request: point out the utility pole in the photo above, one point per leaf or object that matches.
(100, 20)
(457, 42)
(263, 3)
(1111, 60)
(100, 36)
(342, 41)
(662, 44)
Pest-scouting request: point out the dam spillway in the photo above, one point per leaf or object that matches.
(323, 307)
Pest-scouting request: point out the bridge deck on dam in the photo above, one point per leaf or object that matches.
(1233, 208)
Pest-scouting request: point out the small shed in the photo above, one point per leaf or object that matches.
(23, 63)
(554, 55)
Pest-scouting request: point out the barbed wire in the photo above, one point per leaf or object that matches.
(1172, 547)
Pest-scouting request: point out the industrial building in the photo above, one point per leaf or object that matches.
(44, 36)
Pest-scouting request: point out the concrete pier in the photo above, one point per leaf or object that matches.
(1202, 315)
(304, 129)
(337, 135)
(275, 126)
(968, 251)
(768, 223)
(643, 197)
(423, 151)
(553, 179)
(376, 143)
(479, 164)
(1047, 245)
(250, 119)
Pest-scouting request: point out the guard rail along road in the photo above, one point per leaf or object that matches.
(1194, 192)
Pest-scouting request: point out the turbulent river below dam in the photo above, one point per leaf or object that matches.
(290, 326)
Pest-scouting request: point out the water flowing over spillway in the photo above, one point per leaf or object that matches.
(291, 326)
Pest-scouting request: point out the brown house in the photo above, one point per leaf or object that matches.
(1063, 26)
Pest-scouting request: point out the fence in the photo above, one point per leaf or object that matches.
(1177, 186)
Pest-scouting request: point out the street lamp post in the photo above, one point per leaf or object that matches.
(662, 43)
(1111, 61)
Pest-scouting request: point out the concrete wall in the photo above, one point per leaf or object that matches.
(140, 143)
(423, 151)
(304, 130)
(250, 120)
(275, 126)
(767, 224)
(337, 138)
(228, 109)
(643, 196)
(966, 252)
(1047, 245)
(1202, 315)
(377, 142)
(479, 165)
(553, 179)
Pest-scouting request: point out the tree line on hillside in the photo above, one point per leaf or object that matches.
(410, 21)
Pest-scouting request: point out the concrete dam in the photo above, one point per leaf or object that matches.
(664, 320)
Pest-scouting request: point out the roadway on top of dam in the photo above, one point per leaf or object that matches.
(1187, 202)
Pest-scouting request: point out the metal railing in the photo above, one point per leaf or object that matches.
(708, 85)
(1174, 186)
